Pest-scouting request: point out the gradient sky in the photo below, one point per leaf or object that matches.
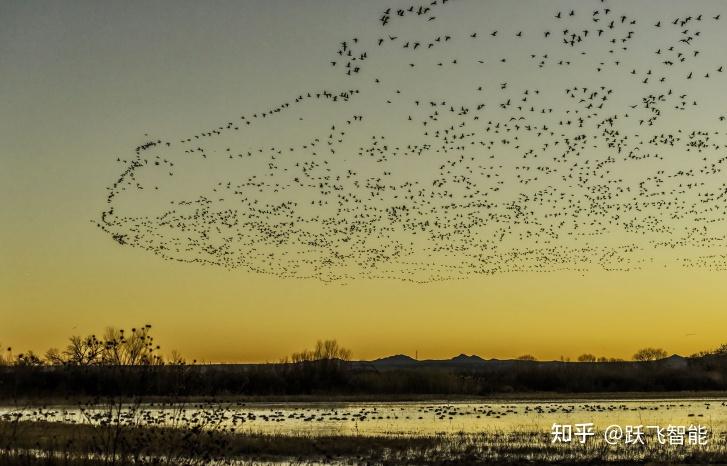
(83, 83)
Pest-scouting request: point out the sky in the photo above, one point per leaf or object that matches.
(626, 252)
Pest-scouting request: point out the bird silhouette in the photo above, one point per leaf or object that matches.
(444, 154)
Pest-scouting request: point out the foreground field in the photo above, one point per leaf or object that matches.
(56, 444)
(418, 433)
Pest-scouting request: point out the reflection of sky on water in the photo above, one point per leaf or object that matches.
(405, 418)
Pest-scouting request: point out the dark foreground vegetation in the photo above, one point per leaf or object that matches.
(130, 364)
(39, 443)
(335, 378)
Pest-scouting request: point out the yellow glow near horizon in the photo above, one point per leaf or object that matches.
(214, 315)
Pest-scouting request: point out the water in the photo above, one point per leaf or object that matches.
(396, 418)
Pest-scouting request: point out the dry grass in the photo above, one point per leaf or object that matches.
(34, 443)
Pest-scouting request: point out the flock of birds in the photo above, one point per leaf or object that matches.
(409, 418)
(459, 143)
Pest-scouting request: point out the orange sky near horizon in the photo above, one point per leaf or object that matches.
(220, 316)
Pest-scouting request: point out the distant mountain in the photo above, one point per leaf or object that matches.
(395, 359)
(404, 361)
(464, 361)
(674, 362)
(463, 358)
(473, 361)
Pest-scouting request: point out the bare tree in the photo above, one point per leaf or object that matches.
(54, 357)
(649, 354)
(176, 359)
(29, 358)
(83, 351)
(134, 349)
(115, 348)
(324, 350)
(719, 351)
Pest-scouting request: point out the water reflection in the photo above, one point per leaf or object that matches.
(394, 418)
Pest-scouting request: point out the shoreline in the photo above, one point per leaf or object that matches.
(525, 397)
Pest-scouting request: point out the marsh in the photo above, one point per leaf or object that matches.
(431, 432)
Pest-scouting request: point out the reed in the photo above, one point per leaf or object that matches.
(194, 442)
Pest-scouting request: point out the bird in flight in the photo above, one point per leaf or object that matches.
(453, 145)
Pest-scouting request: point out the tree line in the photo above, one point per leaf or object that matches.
(118, 347)
(115, 347)
(130, 363)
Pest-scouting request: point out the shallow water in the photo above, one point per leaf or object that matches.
(396, 418)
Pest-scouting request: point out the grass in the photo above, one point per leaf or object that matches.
(34, 443)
